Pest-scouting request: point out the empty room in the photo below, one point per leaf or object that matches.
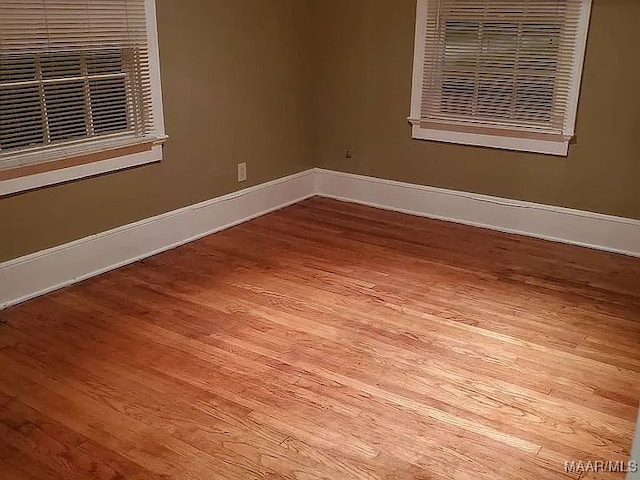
(319, 239)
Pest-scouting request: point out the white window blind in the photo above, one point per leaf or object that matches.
(501, 67)
(74, 78)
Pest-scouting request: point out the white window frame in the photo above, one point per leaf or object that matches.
(556, 146)
(154, 154)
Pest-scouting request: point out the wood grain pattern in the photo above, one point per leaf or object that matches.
(328, 341)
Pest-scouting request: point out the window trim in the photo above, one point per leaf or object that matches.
(554, 146)
(115, 159)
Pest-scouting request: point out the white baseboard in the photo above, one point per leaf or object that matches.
(42, 272)
(587, 229)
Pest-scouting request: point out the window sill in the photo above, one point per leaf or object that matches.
(52, 177)
(548, 147)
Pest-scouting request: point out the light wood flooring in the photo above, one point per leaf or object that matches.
(333, 341)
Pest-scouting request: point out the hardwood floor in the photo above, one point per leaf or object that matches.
(328, 340)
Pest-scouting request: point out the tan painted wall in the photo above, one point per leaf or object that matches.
(235, 80)
(288, 84)
(365, 53)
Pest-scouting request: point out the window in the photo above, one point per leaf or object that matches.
(499, 73)
(79, 89)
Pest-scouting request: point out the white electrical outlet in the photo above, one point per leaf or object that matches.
(242, 172)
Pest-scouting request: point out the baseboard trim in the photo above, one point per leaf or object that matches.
(558, 224)
(48, 270)
(42, 272)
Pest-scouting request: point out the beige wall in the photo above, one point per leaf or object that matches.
(288, 84)
(235, 80)
(365, 53)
